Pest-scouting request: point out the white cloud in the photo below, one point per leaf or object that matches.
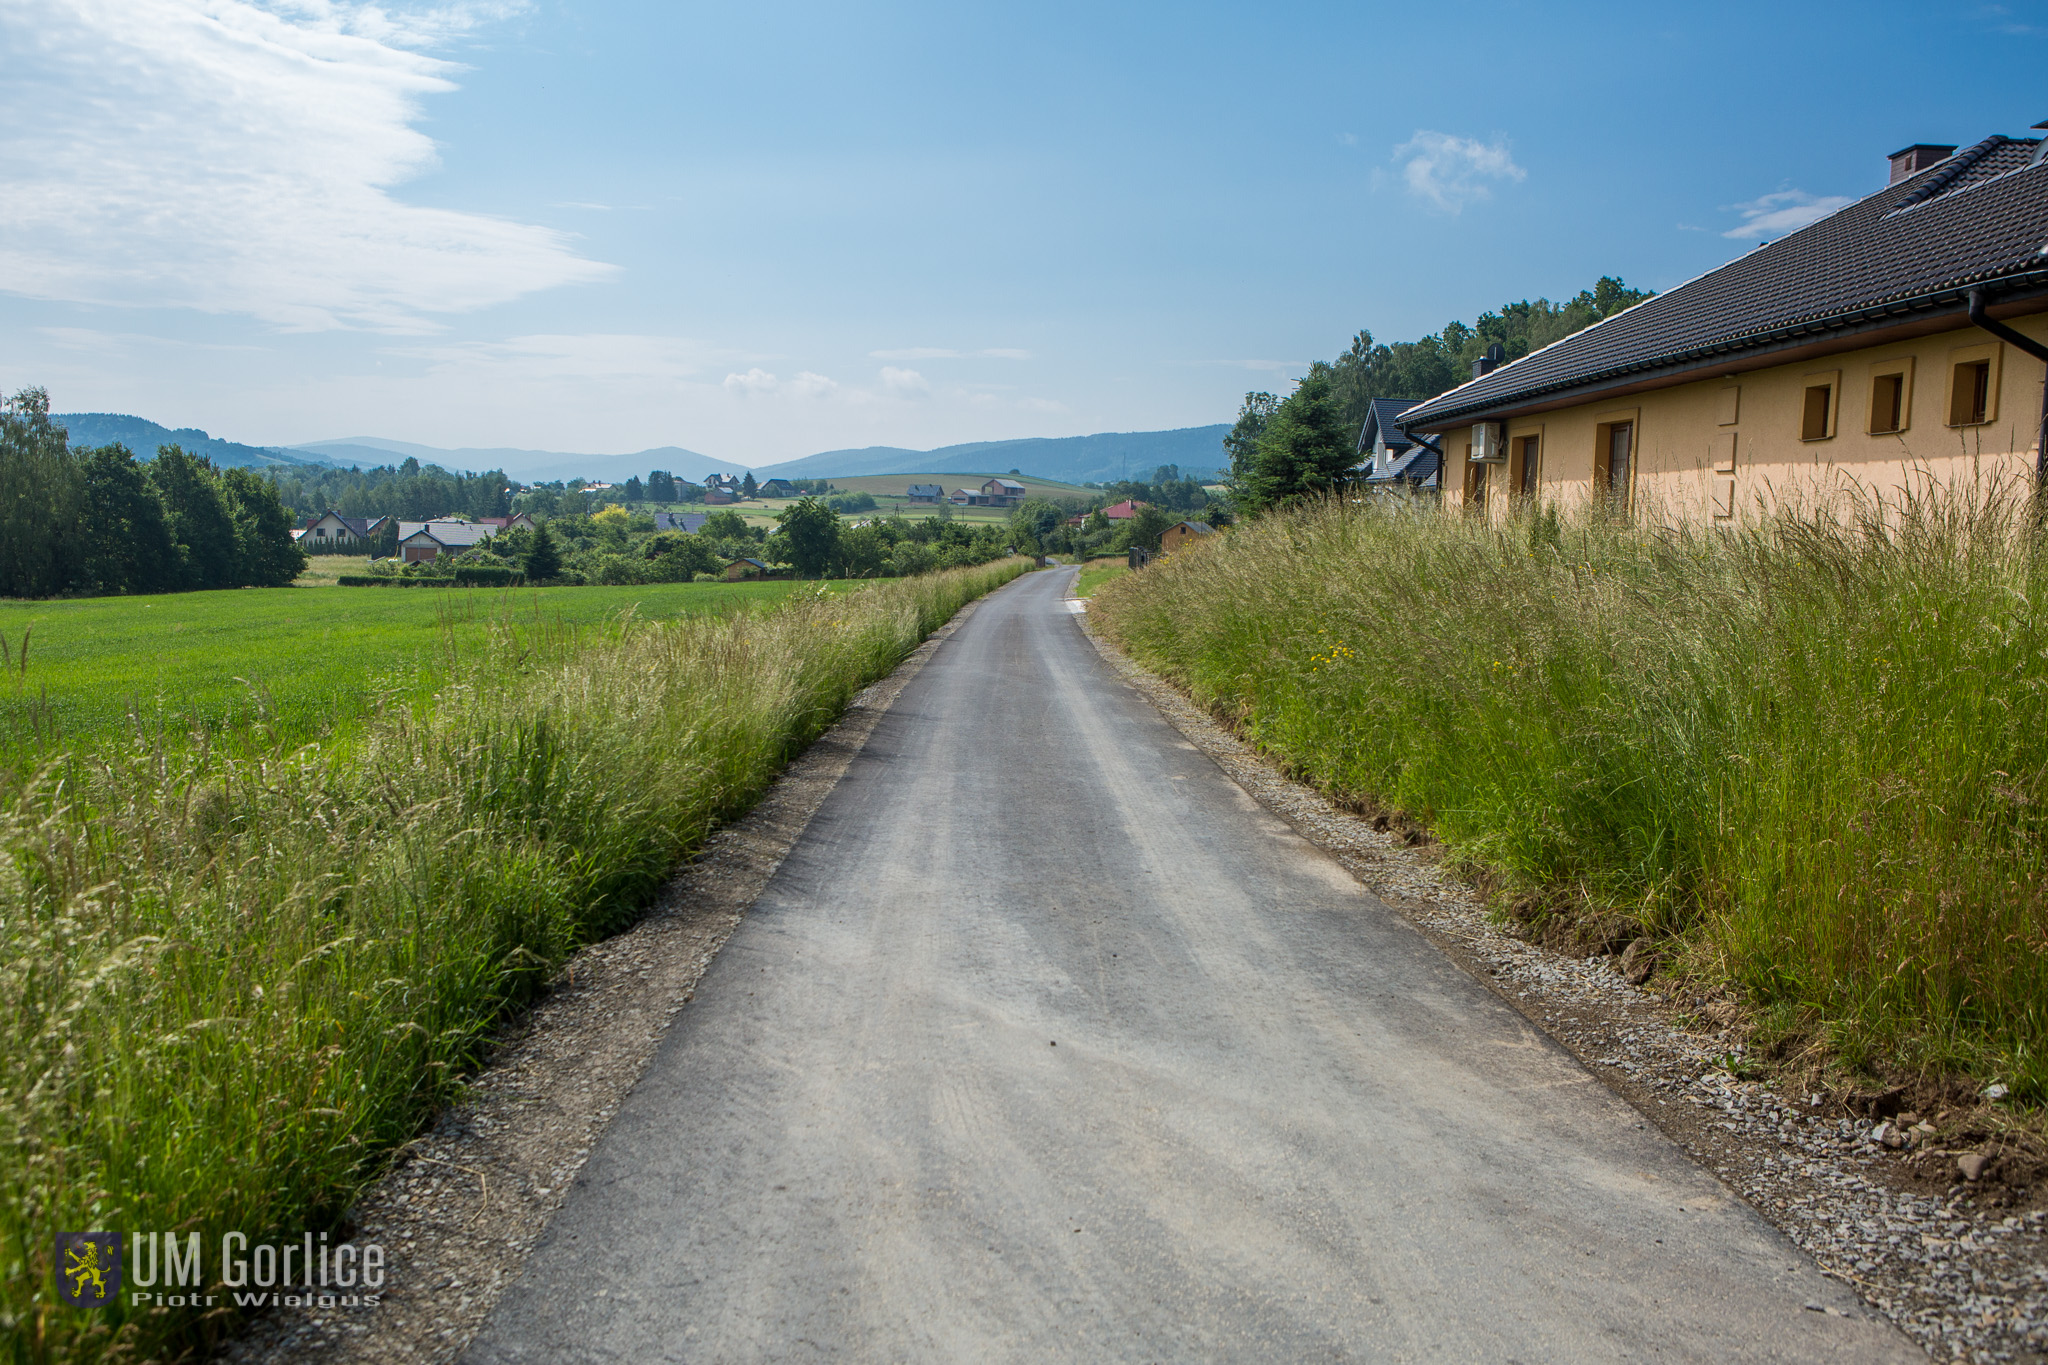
(904, 383)
(1450, 171)
(237, 157)
(948, 353)
(756, 380)
(1774, 215)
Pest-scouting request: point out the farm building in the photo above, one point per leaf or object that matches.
(1180, 533)
(1002, 492)
(926, 493)
(968, 497)
(745, 568)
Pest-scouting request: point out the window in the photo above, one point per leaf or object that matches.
(1813, 419)
(1969, 400)
(1523, 471)
(1891, 396)
(1887, 403)
(1475, 480)
(1620, 451)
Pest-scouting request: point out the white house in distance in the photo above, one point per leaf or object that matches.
(332, 531)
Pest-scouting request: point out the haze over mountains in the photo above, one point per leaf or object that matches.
(1069, 459)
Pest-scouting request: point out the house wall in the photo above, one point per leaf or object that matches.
(1693, 462)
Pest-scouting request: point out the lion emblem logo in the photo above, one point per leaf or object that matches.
(88, 1268)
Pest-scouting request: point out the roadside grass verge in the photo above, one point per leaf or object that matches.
(233, 979)
(294, 661)
(1096, 572)
(1806, 757)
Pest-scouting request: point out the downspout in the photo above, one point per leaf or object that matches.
(2033, 348)
(1434, 448)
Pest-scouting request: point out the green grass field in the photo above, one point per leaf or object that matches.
(301, 659)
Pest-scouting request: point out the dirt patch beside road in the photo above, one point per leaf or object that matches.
(1961, 1266)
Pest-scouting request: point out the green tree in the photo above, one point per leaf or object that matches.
(1036, 522)
(39, 500)
(126, 543)
(1303, 450)
(1148, 525)
(811, 532)
(266, 556)
(747, 485)
(725, 524)
(200, 524)
(1243, 438)
(543, 560)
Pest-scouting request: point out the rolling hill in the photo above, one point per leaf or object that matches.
(143, 436)
(1068, 459)
(526, 465)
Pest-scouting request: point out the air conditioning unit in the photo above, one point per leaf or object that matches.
(1487, 445)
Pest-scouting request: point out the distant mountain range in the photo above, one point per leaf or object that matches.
(143, 436)
(525, 466)
(1069, 459)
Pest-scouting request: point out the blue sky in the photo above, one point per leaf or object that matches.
(760, 231)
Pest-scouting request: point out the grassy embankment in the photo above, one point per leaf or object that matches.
(1809, 757)
(299, 662)
(1096, 572)
(232, 977)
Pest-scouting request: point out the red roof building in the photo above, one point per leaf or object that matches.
(1123, 511)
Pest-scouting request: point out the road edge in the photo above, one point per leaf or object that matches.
(466, 1202)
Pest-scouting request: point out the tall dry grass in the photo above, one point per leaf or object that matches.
(230, 982)
(1812, 750)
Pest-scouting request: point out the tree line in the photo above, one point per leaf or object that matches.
(1307, 443)
(410, 491)
(96, 520)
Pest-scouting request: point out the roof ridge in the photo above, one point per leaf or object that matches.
(1947, 172)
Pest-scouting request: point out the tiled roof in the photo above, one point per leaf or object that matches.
(926, 490)
(1379, 417)
(449, 533)
(1977, 217)
(1418, 466)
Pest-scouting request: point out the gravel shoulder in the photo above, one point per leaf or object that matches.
(463, 1204)
(1962, 1267)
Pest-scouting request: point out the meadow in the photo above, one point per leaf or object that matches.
(1804, 760)
(299, 660)
(1096, 572)
(233, 977)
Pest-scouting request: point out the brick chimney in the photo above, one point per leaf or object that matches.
(1917, 158)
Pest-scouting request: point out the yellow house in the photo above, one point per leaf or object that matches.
(1901, 339)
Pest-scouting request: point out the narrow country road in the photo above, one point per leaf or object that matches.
(1048, 1043)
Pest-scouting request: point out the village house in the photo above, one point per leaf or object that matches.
(1123, 511)
(420, 542)
(330, 532)
(968, 497)
(1387, 456)
(1180, 533)
(925, 493)
(1897, 343)
(1002, 492)
(745, 568)
(777, 488)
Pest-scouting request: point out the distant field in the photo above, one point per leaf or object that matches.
(888, 491)
(299, 658)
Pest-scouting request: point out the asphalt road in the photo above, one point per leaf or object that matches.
(1048, 1043)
